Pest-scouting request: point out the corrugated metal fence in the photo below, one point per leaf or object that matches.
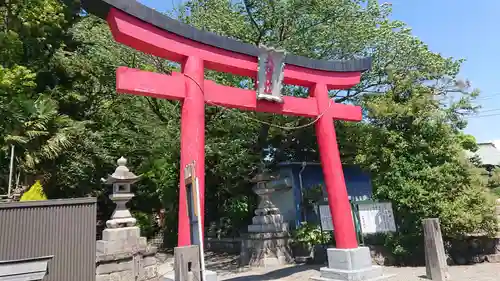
(62, 228)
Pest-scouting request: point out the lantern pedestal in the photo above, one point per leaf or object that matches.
(121, 215)
(267, 241)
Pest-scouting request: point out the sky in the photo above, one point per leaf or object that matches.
(455, 28)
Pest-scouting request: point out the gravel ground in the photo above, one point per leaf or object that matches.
(227, 268)
(478, 272)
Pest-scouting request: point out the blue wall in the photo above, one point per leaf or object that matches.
(358, 184)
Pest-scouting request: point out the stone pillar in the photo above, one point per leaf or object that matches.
(267, 243)
(123, 254)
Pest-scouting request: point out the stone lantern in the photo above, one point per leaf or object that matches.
(121, 180)
(267, 242)
(123, 254)
(267, 216)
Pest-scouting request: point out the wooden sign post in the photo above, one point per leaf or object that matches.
(435, 257)
(194, 211)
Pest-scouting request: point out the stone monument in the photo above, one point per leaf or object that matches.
(123, 254)
(267, 243)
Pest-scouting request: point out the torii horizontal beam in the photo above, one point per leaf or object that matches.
(131, 32)
(172, 87)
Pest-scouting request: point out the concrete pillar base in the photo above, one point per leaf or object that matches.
(350, 265)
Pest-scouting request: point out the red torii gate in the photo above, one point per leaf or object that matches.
(144, 29)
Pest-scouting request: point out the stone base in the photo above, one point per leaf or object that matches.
(209, 276)
(495, 258)
(266, 250)
(120, 240)
(124, 255)
(350, 265)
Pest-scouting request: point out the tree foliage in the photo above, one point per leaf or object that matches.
(411, 139)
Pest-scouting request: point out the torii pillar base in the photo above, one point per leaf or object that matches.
(350, 265)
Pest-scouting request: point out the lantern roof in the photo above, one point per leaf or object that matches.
(122, 174)
(264, 177)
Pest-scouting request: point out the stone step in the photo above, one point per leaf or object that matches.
(495, 258)
(264, 228)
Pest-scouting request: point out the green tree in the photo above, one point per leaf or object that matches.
(30, 32)
(59, 106)
(411, 139)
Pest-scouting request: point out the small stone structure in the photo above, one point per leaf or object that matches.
(267, 243)
(123, 254)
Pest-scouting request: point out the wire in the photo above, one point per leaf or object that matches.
(489, 110)
(487, 97)
(267, 123)
(481, 116)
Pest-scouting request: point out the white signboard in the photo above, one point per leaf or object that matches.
(325, 217)
(376, 217)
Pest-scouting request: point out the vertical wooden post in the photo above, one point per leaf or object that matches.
(435, 256)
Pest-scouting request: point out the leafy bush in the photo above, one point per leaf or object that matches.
(404, 248)
(35, 193)
(496, 192)
(310, 234)
(147, 224)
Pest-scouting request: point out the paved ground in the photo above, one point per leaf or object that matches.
(479, 272)
(227, 269)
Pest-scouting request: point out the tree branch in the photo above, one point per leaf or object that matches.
(260, 31)
(155, 107)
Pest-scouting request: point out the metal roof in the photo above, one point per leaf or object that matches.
(488, 153)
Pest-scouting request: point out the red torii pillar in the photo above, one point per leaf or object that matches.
(194, 91)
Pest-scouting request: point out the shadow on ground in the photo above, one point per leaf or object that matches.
(275, 274)
(222, 263)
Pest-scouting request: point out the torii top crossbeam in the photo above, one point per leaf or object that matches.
(149, 31)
